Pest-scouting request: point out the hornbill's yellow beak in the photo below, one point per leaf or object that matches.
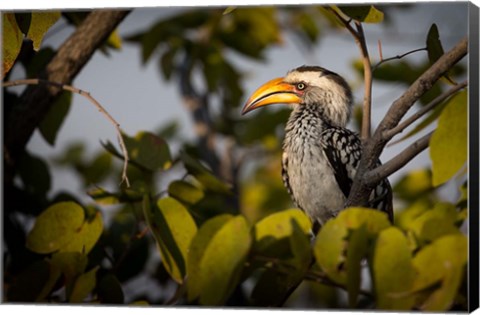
(275, 91)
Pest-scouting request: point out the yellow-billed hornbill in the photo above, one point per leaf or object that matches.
(320, 156)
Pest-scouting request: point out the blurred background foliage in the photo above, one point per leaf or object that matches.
(201, 223)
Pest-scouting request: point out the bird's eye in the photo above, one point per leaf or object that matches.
(301, 86)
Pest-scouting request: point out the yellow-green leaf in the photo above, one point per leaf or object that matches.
(12, 42)
(225, 247)
(435, 223)
(448, 145)
(357, 249)
(52, 122)
(55, 227)
(393, 271)
(86, 237)
(176, 231)
(39, 24)
(114, 40)
(271, 230)
(84, 284)
(147, 151)
(355, 217)
(329, 249)
(441, 262)
(185, 192)
(197, 249)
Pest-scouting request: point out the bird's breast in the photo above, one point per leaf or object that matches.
(310, 176)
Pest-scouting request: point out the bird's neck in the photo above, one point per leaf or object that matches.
(305, 125)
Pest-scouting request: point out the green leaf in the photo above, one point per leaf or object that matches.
(197, 248)
(221, 262)
(114, 40)
(272, 233)
(275, 285)
(333, 240)
(12, 42)
(185, 192)
(35, 175)
(102, 196)
(110, 291)
(98, 169)
(393, 272)
(435, 223)
(55, 227)
(441, 262)
(84, 284)
(23, 21)
(70, 265)
(229, 10)
(86, 237)
(174, 229)
(448, 145)
(27, 285)
(413, 185)
(367, 14)
(374, 220)
(148, 151)
(434, 46)
(52, 122)
(167, 63)
(329, 249)
(204, 175)
(39, 25)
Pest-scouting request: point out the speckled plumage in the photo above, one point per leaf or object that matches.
(320, 155)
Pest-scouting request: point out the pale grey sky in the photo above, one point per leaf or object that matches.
(139, 99)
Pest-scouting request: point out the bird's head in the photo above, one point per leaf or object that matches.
(307, 86)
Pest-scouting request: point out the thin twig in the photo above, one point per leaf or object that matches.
(380, 53)
(94, 102)
(384, 170)
(395, 57)
(374, 146)
(345, 22)
(367, 75)
(438, 100)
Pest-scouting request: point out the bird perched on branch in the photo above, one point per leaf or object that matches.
(320, 156)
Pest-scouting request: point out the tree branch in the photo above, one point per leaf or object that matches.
(373, 147)
(35, 101)
(393, 165)
(367, 76)
(359, 37)
(438, 100)
(94, 102)
(395, 57)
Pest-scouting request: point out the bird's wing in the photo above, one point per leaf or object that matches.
(343, 150)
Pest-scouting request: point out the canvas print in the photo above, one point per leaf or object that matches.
(258, 157)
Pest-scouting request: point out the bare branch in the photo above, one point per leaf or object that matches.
(367, 76)
(393, 165)
(438, 100)
(359, 37)
(395, 57)
(94, 102)
(373, 147)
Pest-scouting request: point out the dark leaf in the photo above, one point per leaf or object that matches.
(57, 113)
